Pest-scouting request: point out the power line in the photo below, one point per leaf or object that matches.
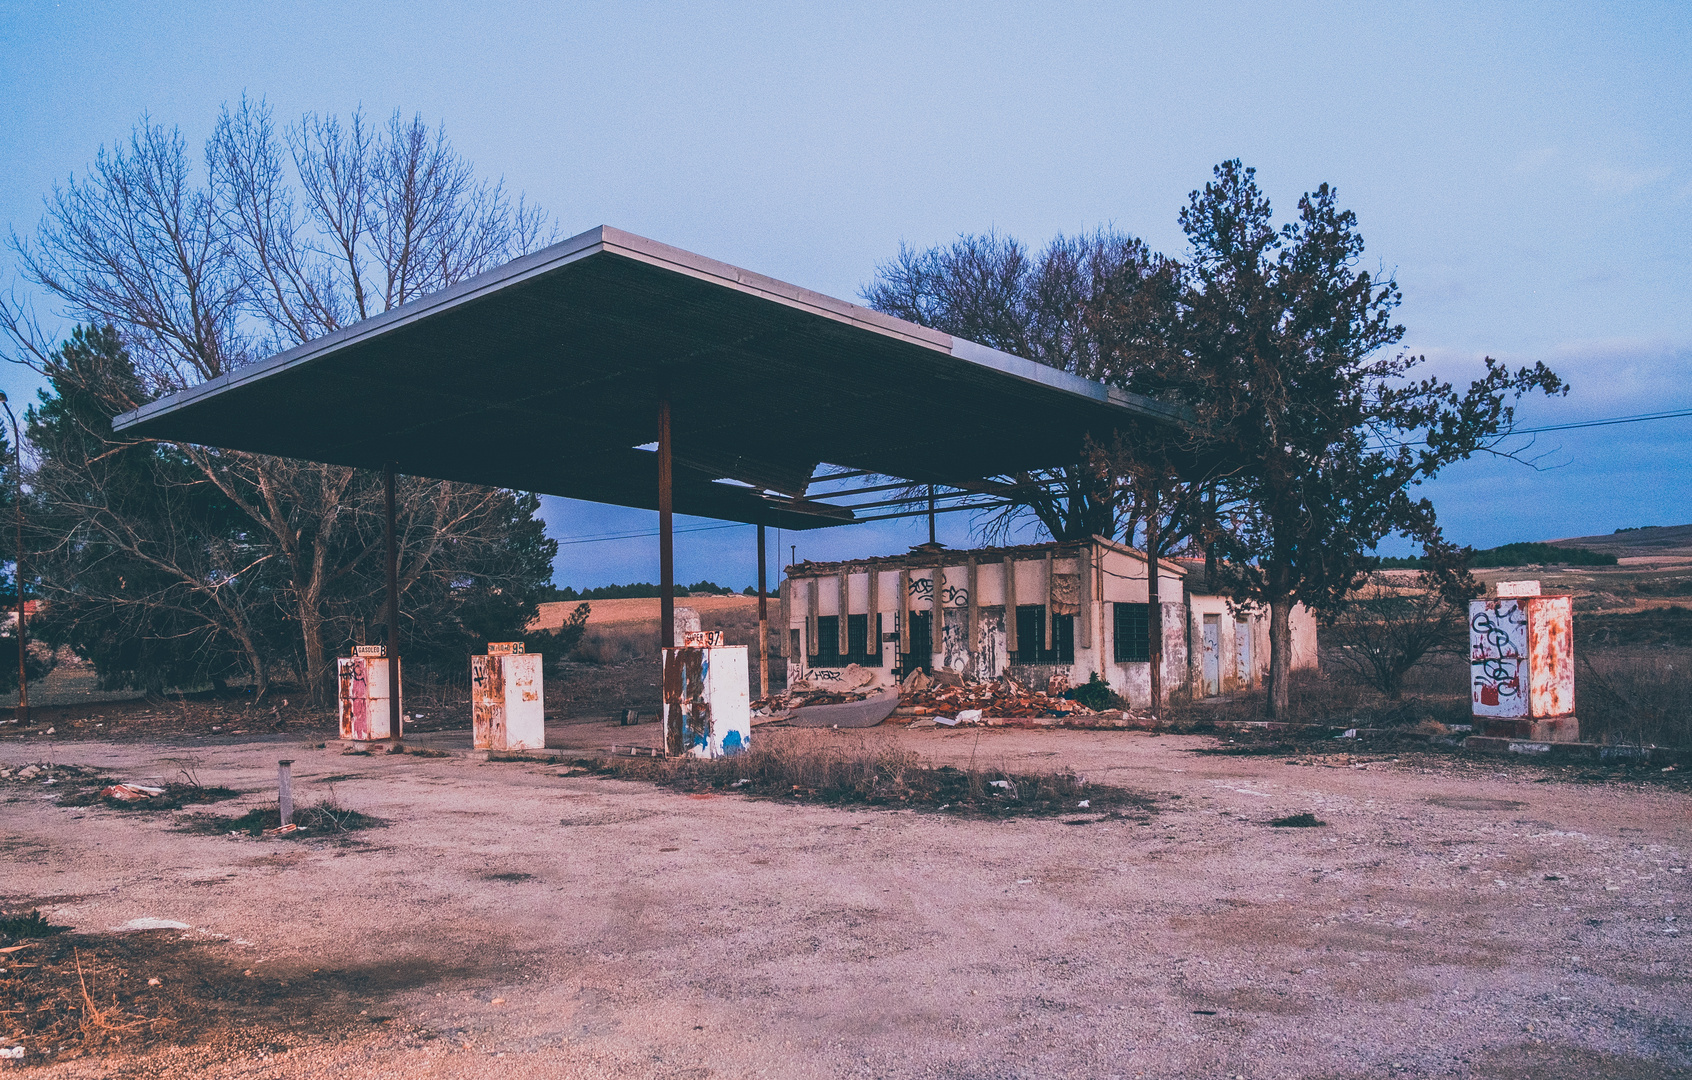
(602, 538)
(1638, 418)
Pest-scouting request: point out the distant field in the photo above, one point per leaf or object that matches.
(1657, 541)
(645, 610)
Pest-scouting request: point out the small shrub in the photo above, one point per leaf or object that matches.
(1305, 820)
(326, 818)
(1096, 694)
(811, 770)
(16, 925)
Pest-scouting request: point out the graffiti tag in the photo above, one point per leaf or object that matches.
(952, 596)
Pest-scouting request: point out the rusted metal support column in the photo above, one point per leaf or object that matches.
(666, 538)
(763, 624)
(395, 720)
(1154, 606)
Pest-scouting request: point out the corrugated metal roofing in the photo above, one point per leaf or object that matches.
(544, 375)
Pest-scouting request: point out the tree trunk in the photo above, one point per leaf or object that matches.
(319, 678)
(1154, 603)
(1278, 702)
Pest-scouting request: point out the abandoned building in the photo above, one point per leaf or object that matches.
(1079, 607)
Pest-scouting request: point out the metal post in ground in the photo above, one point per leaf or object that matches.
(395, 721)
(285, 789)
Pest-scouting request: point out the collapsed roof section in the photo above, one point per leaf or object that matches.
(546, 374)
(926, 556)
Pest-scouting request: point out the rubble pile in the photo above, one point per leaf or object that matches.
(943, 697)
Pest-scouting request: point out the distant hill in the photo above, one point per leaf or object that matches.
(1522, 554)
(1651, 540)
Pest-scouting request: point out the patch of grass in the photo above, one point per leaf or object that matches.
(882, 777)
(1305, 820)
(323, 819)
(18, 925)
(85, 994)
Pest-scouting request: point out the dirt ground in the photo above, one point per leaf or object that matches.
(1455, 916)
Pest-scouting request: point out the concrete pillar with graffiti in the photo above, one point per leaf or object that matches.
(1521, 664)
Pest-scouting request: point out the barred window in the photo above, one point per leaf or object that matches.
(1133, 633)
(1031, 636)
(858, 646)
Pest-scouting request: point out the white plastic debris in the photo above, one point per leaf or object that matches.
(13, 1052)
(970, 716)
(1084, 803)
(949, 721)
(147, 922)
(1000, 783)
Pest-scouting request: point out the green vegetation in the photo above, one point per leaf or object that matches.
(640, 590)
(890, 778)
(1522, 554)
(1096, 694)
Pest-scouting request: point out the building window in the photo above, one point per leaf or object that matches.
(858, 649)
(1133, 633)
(827, 645)
(922, 642)
(1031, 636)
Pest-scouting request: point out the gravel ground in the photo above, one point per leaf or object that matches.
(1452, 918)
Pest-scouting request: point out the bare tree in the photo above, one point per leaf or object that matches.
(291, 235)
(1396, 619)
(1066, 307)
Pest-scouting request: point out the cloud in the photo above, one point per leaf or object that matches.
(1615, 180)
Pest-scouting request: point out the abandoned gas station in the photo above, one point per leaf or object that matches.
(616, 369)
(1080, 608)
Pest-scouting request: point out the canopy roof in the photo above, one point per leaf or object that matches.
(545, 375)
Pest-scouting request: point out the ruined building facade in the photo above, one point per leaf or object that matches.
(1033, 612)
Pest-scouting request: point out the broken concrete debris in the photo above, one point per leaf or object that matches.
(947, 699)
(130, 792)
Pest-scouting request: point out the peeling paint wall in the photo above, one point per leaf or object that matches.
(707, 708)
(507, 706)
(1243, 649)
(1498, 649)
(1521, 657)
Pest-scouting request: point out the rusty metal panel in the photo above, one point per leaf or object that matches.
(707, 708)
(1498, 649)
(487, 703)
(362, 685)
(525, 707)
(1551, 656)
(354, 697)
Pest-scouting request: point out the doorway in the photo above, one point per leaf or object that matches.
(1212, 655)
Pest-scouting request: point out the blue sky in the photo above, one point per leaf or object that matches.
(1524, 170)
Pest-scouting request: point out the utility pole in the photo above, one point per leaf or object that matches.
(22, 712)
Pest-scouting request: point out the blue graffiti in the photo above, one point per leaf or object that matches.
(733, 743)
